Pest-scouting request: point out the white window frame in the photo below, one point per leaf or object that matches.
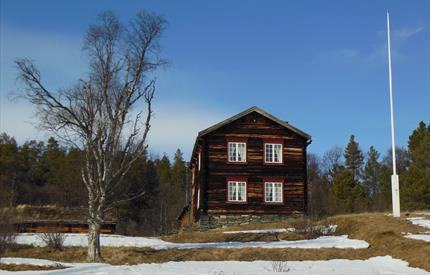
(236, 157)
(198, 198)
(281, 159)
(273, 184)
(236, 199)
(199, 160)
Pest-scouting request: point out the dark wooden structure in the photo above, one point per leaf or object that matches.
(238, 154)
(60, 226)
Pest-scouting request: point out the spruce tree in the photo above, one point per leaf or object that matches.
(179, 172)
(415, 188)
(343, 183)
(371, 173)
(353, 158)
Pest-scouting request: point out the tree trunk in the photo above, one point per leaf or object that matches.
(94, 254)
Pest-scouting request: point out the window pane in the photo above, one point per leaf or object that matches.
(269, 155)
(239, 152)
(233, 155)
(277, 152)
(239, 191)
(278, 192)
(269, 192)
(231, 191)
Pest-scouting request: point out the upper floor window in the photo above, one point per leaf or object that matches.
(273, 153)
(237, 191)
(273, 192)
(237, 152)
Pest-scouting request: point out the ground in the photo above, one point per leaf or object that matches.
(384, 234)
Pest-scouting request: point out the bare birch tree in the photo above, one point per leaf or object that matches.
(100, 114)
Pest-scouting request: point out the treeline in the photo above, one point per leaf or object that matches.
(350, 180)
(36, 173)
(341, 181)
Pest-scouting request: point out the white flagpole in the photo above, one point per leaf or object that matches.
(394, 178)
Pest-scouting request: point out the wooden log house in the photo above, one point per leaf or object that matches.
(248, 168)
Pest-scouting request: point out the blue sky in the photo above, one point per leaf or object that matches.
(321, 65)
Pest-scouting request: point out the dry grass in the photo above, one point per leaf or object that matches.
(383, 233)
(216, 235)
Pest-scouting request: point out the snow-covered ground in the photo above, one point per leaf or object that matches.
(324, 229)
(158, 244)
(423, 222)
(372, 266)
(262, 231)
(30, 261)
(422, 236)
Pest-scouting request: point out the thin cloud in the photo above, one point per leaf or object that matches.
(379, 50)
(406, 32)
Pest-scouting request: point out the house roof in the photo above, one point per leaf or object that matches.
(261, 112)
(244, 113)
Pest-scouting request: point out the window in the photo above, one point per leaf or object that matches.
(272, 153)
(237, 191)
(237, 152)
(273, 192)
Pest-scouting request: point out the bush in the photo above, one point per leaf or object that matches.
(313, 229)
(53, 240)
(279, 266)
(7, 232)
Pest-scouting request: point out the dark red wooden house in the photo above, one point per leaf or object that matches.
(248, 168)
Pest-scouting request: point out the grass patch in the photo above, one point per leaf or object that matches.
(383, 233)
(304, 230)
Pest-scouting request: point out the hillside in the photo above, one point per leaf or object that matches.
(384, 234)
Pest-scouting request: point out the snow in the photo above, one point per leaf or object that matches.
(422, 236)
(158, 244)
(372, 266)
(421, 221)
(324, 229)
(29, 261)
(262, 231)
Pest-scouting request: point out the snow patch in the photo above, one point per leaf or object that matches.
(262, 231)
(30, 261)
(421, 221)
(421, 236)
(375, 265)
(323, 229)
(158, 244)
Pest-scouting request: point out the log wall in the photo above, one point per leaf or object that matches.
(255, 128)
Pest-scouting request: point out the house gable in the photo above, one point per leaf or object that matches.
(253, 117)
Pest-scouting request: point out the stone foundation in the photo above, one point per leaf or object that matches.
(217, 221)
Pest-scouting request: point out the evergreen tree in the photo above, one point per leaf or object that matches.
(10, 170)
(347, 194)
(353, 158)
(415, 190)
(179, 176)
(163, 167)
(52, 162)
(371, 173)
